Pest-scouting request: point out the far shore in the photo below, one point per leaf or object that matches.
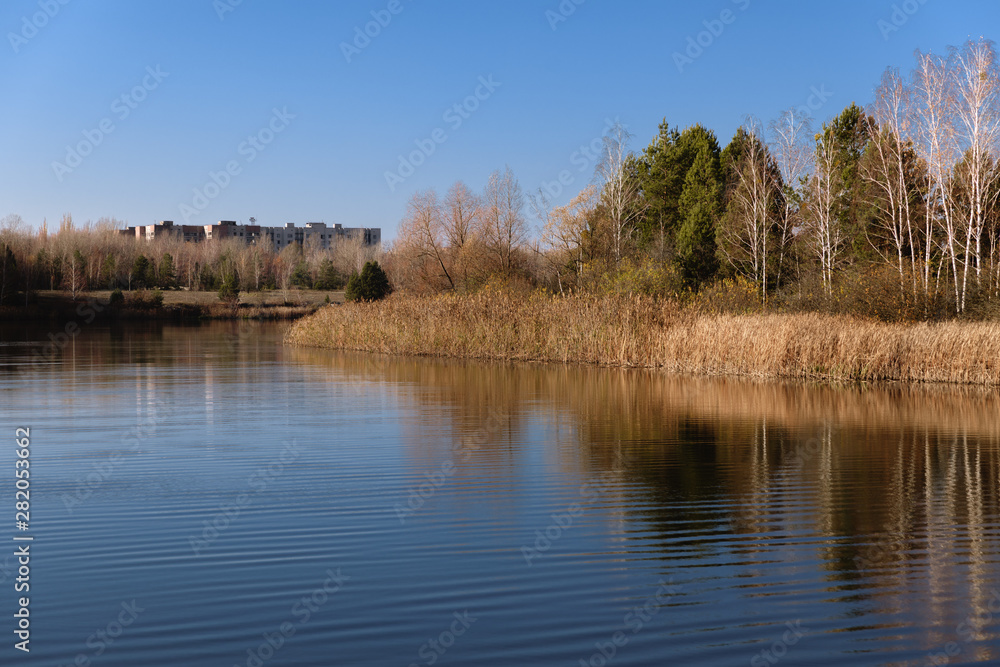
(640, 332)
(180, 304)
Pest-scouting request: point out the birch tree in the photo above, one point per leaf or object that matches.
(620, 188)
(825, 233)
(754, 210)
(790, 135)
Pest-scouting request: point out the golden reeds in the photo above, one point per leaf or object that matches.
(635, 331)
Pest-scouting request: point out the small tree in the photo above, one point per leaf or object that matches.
(140, 272)
(329, 278)
(371, 284)
(167, 273)
(228, 293)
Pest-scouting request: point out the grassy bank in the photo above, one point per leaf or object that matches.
(176, 305)
(640, 332)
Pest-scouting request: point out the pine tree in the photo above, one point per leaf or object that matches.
(371, 284)
(166, 270)
(699, 204)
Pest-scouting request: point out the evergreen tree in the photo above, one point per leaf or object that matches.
(850, 134)
(166, 270)
(228, 292)
(140, 272)
(699, 202)
(329, 278)
(370, 285)
(663, 174)
(301, 276)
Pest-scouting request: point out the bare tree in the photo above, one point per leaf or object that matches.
(754, 211)
(790, 144)
(504, 225)
(888, 169)
(825, 233)
(565, 230)
(620, 192)
(421, 238)
(976, 87)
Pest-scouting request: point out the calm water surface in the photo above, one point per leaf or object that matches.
(205, 496)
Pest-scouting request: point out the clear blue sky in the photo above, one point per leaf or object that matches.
(226, 71)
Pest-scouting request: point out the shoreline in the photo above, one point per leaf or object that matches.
(639, 332)
(177, 305)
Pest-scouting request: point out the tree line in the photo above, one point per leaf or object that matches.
(900, 195)
(95, 256)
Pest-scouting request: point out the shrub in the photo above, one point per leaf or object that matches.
(117, 298)
(143, 300)
(370, 285)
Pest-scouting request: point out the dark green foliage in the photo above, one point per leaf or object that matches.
(207, 279)
(663, 174)
(371, 284)
(8, 275)
(228, 291)
(301, 277)
(167, 274)
(850, 135)
(116, 298)
(108, 268)
(329, 278)
(699, 201)
(142, 273)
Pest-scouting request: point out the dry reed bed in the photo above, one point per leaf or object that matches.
(640, 332)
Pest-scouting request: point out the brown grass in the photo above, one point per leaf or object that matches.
(633, 331)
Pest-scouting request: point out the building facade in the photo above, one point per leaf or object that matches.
(318, 233)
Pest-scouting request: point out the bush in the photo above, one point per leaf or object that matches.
(370, 285)
(117, 298)
(143, 300)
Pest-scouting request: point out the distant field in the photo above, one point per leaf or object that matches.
(197, 298)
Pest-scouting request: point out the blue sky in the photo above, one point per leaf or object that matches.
(265, 90)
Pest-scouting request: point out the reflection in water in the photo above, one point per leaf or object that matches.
(871, 509)
(894, 488)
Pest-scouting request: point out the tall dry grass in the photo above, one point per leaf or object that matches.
(636, 331)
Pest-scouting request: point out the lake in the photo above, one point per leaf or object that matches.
(204, 495)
